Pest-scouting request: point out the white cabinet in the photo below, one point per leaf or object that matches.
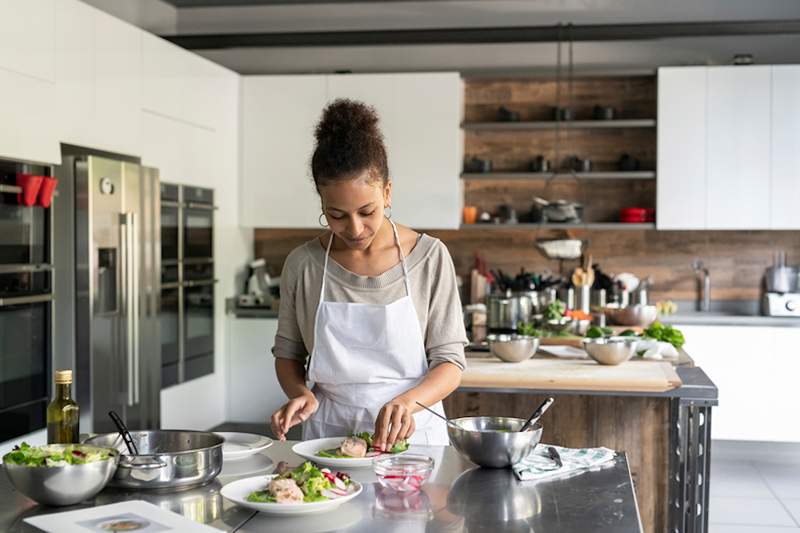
(164, 75)
(26, 117)
(28, 43)
(738, 122)
(752, 367)
(75, 76)
(420, 117)
(118, 74)
(681, 182)
(785, 150)
(253, 389)
(278, 116)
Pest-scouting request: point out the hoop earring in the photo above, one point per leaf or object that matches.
(320, 220)
(389, 216)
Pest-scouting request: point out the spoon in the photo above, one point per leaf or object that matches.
(537, 414)
(440, 416)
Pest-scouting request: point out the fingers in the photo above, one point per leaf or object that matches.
(289, 415)
(382, 427)
(398, 418)
(277, 424)
(409, 425)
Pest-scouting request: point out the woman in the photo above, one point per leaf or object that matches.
(374, 303)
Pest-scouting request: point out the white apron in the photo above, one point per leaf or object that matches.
(365, 355)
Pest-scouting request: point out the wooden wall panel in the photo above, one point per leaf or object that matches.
(737, 259)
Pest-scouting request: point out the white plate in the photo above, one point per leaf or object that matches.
(308, 449)
(249, 466)
(238, 490)
(241, 445)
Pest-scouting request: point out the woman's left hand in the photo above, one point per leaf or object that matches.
(395, 422)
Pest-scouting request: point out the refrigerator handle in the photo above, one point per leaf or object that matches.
(126, 247)
(135, 298)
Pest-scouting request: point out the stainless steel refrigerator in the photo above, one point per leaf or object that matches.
(116, 280)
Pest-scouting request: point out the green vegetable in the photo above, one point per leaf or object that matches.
(399, 446)
(333, 453)
(628, 333)
(554, 310)
(364, 435)
(595, 332)
(71, 454)
(261, 496)
(665, 333)
(528, 329)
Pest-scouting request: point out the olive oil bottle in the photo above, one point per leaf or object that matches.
(63, 413)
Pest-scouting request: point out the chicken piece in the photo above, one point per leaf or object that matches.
(286, 491)
(353, 447)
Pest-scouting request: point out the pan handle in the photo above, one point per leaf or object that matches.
(130, 462)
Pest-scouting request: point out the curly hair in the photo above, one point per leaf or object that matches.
(349, 142)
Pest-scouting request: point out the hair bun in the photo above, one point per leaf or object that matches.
(346, 120)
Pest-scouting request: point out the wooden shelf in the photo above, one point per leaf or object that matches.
(586, 226)
(565, 124)
(638, 175)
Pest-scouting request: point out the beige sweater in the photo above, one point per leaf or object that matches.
(434, 291)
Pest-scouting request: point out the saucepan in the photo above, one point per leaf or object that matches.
(167, 459)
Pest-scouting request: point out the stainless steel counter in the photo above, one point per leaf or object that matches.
(458, 497)
(727, 313)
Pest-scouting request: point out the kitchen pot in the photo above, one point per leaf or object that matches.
(507, 115)
(503, 312)
(539, 164)
(576, 164)
(563, 113)
(781, 279)
(168, 459)
(528, 304)
(558, 211)
(477, 165)
(601, 112)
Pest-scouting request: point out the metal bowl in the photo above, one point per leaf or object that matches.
(62, 485)
(513, 348)
(493, 441)
(558, 325)
(610, 350)
(632, 315)
(168, 459)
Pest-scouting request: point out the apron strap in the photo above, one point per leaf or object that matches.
(402, 258)
(325, 271)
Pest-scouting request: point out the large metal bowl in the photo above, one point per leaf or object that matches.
(513, 348)
(493, 441)
(632, 315)
(62, 485)
(168, 459)
(610, 350)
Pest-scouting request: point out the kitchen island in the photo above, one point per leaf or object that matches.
(661, 418)
(457, 497)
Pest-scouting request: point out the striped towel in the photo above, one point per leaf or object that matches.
(538, 465)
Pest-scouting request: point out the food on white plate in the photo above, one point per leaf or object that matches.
(360, 446)
(306, 483)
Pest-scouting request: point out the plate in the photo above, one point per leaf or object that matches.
(308, 450)
(238, 490)
(240, 445)
(255, 464)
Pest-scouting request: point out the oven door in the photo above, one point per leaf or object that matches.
(24, 232)
(171, 334)
(198, 231)
(25, 325)
(198, 298)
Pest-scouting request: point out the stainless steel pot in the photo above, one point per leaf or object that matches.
(168, 459)
(528, 305)
(502, 312)
(781, 279)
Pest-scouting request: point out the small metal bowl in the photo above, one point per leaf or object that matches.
(493, 441)
(632, 315)
(513, 348)
(63, 485)
(559, 325)
(610, 350)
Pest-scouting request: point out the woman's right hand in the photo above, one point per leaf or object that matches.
(293, 412)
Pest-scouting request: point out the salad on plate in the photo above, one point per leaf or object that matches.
(360, 446)
(56, 455)
(305, 484)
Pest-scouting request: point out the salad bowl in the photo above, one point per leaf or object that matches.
(43, 475)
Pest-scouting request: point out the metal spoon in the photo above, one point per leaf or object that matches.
(537, 414)
(440, 416)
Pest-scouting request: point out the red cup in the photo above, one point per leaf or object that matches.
(48, 188)
(30, 185)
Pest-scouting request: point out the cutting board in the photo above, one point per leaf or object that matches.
(569, 374)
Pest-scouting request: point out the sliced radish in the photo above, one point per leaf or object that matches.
(340, 484)
(325, 470)
(328, 493)
(373, 453)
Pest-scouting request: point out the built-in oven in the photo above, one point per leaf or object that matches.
(187, 283)
(26, 294)
(198, 223)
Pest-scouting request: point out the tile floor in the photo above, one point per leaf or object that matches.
(755, 488)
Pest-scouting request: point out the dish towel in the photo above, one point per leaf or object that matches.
(538, 465)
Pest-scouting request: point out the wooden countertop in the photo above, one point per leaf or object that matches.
(551, 373)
